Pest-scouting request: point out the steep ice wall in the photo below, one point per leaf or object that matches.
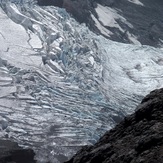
(61, 86)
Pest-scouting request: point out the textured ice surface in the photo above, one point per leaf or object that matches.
(61, 86)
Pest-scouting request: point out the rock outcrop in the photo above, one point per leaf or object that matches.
(10, 152)
(144, 17)
(137, 139)
(58, 3)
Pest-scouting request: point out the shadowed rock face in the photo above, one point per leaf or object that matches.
(145, 20)
(58, 3)
(137, 139)
(10, 152)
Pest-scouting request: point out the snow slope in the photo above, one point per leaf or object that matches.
(62, 86)
(137, 2)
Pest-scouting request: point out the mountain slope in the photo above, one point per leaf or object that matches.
(137, 139)
(11, 152)
(127, 21)
(61, 85)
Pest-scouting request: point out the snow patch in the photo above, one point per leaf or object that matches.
(102, 29)
(34, 41)
(137, 2)
(133, 38)
(108, 16)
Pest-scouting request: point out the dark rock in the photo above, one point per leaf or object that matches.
(137, 139)
(10, 152)
(58, 3)
(146, 20)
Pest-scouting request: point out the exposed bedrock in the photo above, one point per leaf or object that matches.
(137, 139)
(126, 21)
(10, 152)
(58, 3)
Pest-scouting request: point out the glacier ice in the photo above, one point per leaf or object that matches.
(62, 86)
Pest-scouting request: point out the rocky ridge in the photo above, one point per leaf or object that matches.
(50, 64)
(137, 139)
(10, 152)
(137, 22)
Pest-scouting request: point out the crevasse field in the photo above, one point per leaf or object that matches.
(62, 86)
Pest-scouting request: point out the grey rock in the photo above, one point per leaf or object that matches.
(146, 20)
(137, 139)
(10, 152)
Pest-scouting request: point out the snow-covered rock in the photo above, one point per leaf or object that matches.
(127, 21)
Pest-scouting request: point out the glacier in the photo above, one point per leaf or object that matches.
(61, 85)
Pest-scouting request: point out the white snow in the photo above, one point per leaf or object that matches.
(109, 16)
(102, 29)
(133, 38)
(137, 2)
(7, 91)
(34, 41)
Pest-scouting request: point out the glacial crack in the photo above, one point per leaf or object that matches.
(2, 35)
(28, 41)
